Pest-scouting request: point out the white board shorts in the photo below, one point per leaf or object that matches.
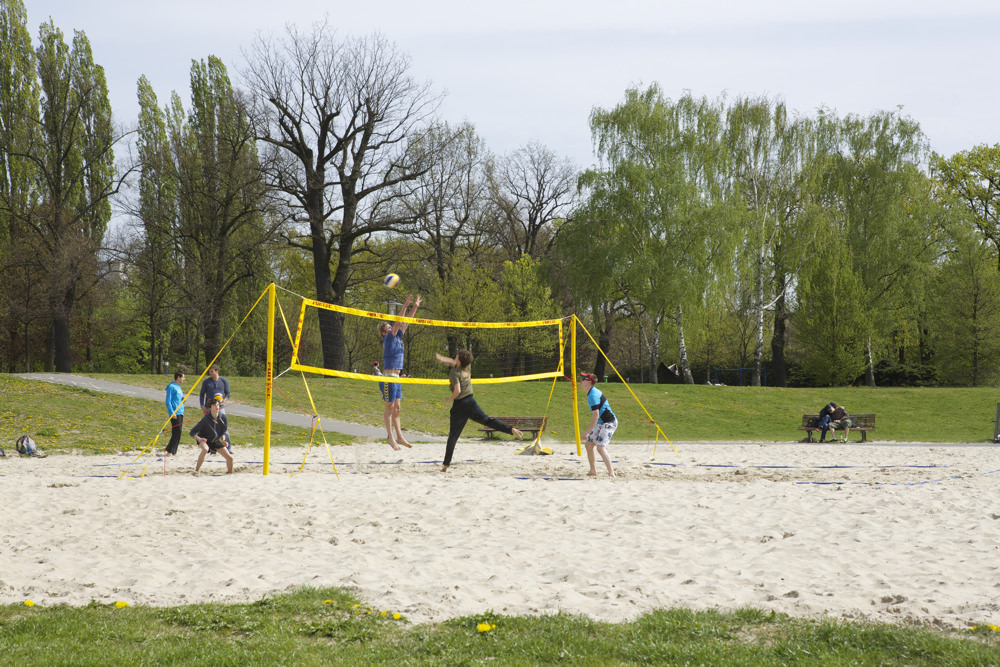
(601, 435)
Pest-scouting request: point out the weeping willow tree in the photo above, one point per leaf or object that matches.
(653, 218)
(881, 209)
(773, 164)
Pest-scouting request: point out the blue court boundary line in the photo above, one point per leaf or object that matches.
(577, 479)
(926, 481)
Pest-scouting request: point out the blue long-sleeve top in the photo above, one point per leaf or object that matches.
(175, 399)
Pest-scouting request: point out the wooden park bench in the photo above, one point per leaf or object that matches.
(862, 423)
(531, 425)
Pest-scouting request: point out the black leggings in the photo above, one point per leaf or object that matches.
(462, 410)
(176, 422)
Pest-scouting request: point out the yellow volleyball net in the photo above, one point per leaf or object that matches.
(345, 342)
(338, 341)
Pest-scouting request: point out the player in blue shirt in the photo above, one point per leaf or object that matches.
(603, 424)
(175, 408)
(392, 364)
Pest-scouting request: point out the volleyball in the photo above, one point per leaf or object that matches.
(391, 280)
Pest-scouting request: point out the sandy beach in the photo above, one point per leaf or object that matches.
(889, 532)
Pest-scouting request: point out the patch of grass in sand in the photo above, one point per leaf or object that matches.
(63, 418)
(329, 626)
(683, 412)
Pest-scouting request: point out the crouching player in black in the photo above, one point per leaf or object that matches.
(210, 433)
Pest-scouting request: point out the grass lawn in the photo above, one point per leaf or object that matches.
(329, 626)
(683, 413)
(62, 418)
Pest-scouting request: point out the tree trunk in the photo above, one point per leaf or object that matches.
(654, 354)
(604, 342)
(758, 349)
(869, 367)
(213, 324)
(682, 349)
(605, 325)
(152, 341)
(778, 374)
(331, 324)
(61, 343)
(62, 359)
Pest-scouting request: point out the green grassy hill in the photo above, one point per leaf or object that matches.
(80, 418)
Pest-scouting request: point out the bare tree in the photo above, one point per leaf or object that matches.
(452, 195)
(337, 116)
(532, 188)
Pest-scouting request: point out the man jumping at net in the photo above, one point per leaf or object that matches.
(392, 364)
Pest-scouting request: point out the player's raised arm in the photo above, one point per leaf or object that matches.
(397, 323)
(446, 360)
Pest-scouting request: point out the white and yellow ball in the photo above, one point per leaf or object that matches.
(391, 280)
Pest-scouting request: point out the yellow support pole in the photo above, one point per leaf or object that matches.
(572, 364)
(269, 378)
(649, 416)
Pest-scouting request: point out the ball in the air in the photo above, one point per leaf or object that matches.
(391, 280)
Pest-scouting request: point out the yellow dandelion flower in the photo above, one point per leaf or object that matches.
(384, 612)
(397, 616)
(29, 603)
(121, 604)
(485, 627)
(330, 602)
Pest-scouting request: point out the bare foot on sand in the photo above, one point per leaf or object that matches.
(444, 468)
(516, 433)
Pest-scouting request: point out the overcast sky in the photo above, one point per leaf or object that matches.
(532, 70)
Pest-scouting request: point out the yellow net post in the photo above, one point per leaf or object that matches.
(269, 378)
(572, 379)
(619, 375)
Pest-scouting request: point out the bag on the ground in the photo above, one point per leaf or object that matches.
(26, 446)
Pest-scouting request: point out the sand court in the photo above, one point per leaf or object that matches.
(885, 532)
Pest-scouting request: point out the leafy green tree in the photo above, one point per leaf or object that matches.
(878, 197)
(656, 204)
(156, 257)
(472, 295)
(582, 249)
(19, 101)
(224, 224)
(116, 338)
(965, 312)
(973, 176)
(524, 297)
(772, 160)
(831, 312)
(74, 160)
